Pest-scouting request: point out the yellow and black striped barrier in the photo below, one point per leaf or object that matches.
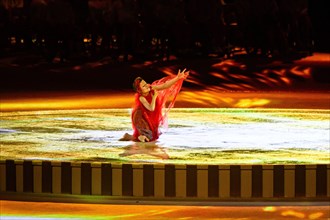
(167, 180)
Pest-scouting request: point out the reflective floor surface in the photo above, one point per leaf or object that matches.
(248, 211)
(194, 136)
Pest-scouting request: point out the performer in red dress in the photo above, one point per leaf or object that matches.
(150, 110)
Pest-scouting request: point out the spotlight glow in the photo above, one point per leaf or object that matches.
(198, 135)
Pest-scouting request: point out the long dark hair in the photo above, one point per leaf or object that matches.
(136, 84)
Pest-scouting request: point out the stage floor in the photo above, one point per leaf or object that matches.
(194, 136)
(18, 210)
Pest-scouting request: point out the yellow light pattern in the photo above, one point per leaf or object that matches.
(293, 214)
(61, 134)
(269, 209)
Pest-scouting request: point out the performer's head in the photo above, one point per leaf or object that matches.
(140, 86)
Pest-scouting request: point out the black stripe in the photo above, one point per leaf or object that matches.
(66, 178)
(278, 181)
(213, 181)
(321, 180)
(127, 180)
(106, 179)
(256, 181)
(27, 176)
(10, 175)
(47, 177)
(148, 180)
(170, 180)
(191, 183)
(86, 179)
(300, 181)
(235, 181)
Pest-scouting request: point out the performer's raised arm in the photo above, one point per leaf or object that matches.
(168, 84)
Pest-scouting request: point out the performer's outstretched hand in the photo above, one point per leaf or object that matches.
(183, 74)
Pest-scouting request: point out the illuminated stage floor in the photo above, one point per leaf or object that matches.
(194, 136)
(222, 211)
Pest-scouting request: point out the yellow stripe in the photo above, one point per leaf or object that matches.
(96, 179)
(246, 181)
(202, 181)
(117, 179)
(224, 181)
(289, 181)
(3, 178)
(19, 176)
(37, 176)
(137, 179)
(76, 178)
(180, 180)
(56, 177)
(159, 180)
(310, 181)
(267, 181)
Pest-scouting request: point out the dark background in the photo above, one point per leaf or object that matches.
(96, 44)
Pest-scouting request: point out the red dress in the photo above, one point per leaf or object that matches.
(147, 123)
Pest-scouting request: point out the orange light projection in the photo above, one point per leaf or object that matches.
(210, 98)
(176, 211)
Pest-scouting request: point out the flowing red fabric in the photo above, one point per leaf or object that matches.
(145, 122)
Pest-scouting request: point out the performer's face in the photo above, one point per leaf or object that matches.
(145, 87)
